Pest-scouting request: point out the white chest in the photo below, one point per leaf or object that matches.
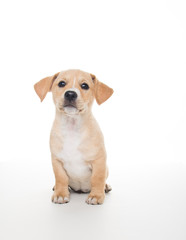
(74, 163)
(70, 147)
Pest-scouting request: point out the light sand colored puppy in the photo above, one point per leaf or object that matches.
(76, 142)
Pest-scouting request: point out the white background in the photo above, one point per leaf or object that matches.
(139, 49)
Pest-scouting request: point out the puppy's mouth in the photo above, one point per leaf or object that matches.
(70, 108)
(69, 105)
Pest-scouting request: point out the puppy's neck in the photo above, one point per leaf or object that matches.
(72, 122)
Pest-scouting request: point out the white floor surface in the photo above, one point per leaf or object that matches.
(147, 202)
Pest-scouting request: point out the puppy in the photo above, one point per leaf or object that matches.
(76, 142)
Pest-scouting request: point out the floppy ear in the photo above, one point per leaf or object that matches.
(102, 91)
(44, 86)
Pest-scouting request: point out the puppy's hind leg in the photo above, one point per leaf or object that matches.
(108, 188)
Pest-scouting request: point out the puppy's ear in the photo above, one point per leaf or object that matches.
(44, 86)
(102, 91)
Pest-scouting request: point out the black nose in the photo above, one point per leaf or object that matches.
(70, 95)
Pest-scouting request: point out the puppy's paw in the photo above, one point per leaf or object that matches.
(108, 188)
(60, 198)
(95, 199)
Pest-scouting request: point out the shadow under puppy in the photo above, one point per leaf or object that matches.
(76, 142)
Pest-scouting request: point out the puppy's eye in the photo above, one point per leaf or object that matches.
(61, 84)
(85, 86)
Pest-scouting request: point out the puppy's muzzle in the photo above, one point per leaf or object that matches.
(70, 99)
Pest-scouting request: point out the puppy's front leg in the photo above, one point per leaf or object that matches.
(97, 194)
(61, 192)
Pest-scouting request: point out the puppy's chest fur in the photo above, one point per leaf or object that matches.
(74, 161)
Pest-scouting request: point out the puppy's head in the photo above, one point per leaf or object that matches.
(73, 91)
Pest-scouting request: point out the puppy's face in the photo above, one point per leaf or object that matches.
(73, 91)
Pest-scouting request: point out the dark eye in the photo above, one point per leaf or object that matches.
(61, 84)
(84, 86)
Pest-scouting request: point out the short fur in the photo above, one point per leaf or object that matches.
(76, 142)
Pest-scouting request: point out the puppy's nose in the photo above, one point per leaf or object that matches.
(70, 95)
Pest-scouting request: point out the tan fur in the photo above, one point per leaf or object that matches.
(91, 145)
(61, 185)
(44, 86)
